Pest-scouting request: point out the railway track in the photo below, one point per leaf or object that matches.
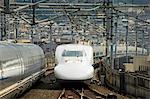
(104, 92)
(79, 94)
(48, 88)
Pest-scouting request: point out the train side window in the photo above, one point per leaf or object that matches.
(101, 53)
(97, 53)
(119, 51)
(141, 82)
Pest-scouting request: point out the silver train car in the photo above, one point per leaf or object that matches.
(19, 60)
(74, 62)
(99, 51)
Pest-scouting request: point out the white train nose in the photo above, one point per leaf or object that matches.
(76, 71)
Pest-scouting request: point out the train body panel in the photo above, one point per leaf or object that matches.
(100, 51)
(20, 59)
(74, 62)
(74, 71)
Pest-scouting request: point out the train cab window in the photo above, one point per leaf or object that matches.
(72, 53)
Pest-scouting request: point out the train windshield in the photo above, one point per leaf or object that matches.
(72, 54)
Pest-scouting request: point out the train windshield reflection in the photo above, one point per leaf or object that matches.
(72, 54)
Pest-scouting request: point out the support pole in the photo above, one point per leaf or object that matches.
(116, 35)
(32, 27)
(136, 39)
(126, 43)
(50, 34)
(16, 28)
(104, 25)
(142, 42)
(111, 37)
(7, 6)
(6, 12)
(33, 12)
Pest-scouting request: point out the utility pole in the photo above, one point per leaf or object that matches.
(111, 35)
(109, 29)
(116, 34)
(3, 29)
(32, 30)
(7, 6)
(126, 43)
(136, 37)
(142, 42)
(72, 32)
(125, 21)
(33, 21)
(6, 12)
(50, 34)
(104, 25)
(33, 13)
(16, 28)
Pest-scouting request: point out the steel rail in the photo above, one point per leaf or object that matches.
(62, 93)
(94, 90)
(81, 94)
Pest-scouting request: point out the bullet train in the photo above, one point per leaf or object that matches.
(19, 60)
(74, 62)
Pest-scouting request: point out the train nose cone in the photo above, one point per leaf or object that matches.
(74, 71)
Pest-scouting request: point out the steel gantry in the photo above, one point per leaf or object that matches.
(44, 11)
